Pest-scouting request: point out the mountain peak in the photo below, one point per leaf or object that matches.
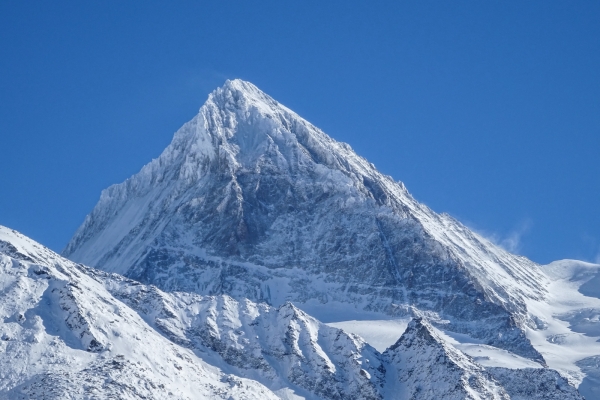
(241, 85)
(252, 200)
(244, 88)
(239, 95)
(428, 367)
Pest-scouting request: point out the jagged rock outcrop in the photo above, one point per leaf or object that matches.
(281, 347)
(427, 367)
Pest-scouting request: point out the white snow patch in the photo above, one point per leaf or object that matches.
(573, 326)
(380, 334)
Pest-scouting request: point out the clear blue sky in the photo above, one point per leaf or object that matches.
(487, 110)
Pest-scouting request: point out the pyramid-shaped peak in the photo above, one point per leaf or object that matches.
(241, 85)
(249, 182)
(418, 329)
(429, 367)
(420, 334)
(240, 94)
(248, 127)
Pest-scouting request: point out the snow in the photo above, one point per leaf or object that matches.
(571, 333)
(61, 328)
(178, 345)
(67, 327)
(251, 204)
(487, 356)
(253, 201)
(427, 366)
(380, 334)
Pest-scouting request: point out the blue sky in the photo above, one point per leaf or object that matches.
(487, 110)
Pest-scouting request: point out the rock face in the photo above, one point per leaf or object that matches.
(534, 384)
(252, 201)
(73, 332)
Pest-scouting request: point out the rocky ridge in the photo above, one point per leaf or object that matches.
(65, 337)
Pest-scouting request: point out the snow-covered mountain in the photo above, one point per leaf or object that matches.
(253, 201)
(64, 336)
(72, 332)
(420, 353)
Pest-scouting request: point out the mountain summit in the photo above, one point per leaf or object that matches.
(253, 201)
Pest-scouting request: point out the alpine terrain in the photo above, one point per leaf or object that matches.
(257, 257)
(72, 332)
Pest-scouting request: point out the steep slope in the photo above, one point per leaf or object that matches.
(427, 367)
(568, 338)
(252, 201)
(108, 336)
(65, 337)
(422, 364)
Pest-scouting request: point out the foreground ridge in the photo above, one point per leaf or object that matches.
(65, 337)
(70, 331)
